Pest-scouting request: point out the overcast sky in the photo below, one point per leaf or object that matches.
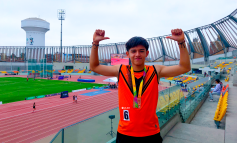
(121, 19)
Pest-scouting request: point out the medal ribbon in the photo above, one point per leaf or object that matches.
(134, 86)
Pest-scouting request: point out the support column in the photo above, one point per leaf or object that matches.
(191, 46)
(234, 19)
(74, 53)
(163, 49)
(52, 55)
(204, 45)
(223, 39)
(25, 55)
(116, 48)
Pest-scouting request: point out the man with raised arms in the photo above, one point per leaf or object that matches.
(138, 86)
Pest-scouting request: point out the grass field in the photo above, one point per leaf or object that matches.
(17, 88)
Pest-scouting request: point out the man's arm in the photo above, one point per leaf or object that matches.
(94, 60)
(184, 63)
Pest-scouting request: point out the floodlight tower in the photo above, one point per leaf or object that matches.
(61, 16)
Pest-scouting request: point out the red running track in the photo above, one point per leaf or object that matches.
(19, 124)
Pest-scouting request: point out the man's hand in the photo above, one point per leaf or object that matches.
(98, 36)
(177, 35)
(184, 63)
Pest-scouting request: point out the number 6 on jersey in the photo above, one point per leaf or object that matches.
(126, 115)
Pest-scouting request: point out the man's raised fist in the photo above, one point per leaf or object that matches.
(98, 36)
(177, 35)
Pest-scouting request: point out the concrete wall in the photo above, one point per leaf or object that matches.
(226, 60)
(220, 54)
(194, 66)
(60, 66)
(196, 55)
(235, 80)
(196, 60)
(216, 56)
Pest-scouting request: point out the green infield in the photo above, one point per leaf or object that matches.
(14, 89)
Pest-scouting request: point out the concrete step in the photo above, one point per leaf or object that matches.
(188, 133)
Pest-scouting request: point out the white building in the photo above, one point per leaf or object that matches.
(35, 31)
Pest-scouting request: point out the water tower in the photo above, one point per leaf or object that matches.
(35, 31)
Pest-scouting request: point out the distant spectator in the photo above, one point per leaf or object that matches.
(205, 74)
(170, 83)
(221, 84)
(216, 90)
(70, 76)
(201, 88)
(34, 107)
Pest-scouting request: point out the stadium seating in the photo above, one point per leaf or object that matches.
(82, 71)
(227, 78)
(61, 71)
(221, 106)
(69, 70)
(3, 71)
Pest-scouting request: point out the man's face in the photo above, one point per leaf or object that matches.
(137, 55)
